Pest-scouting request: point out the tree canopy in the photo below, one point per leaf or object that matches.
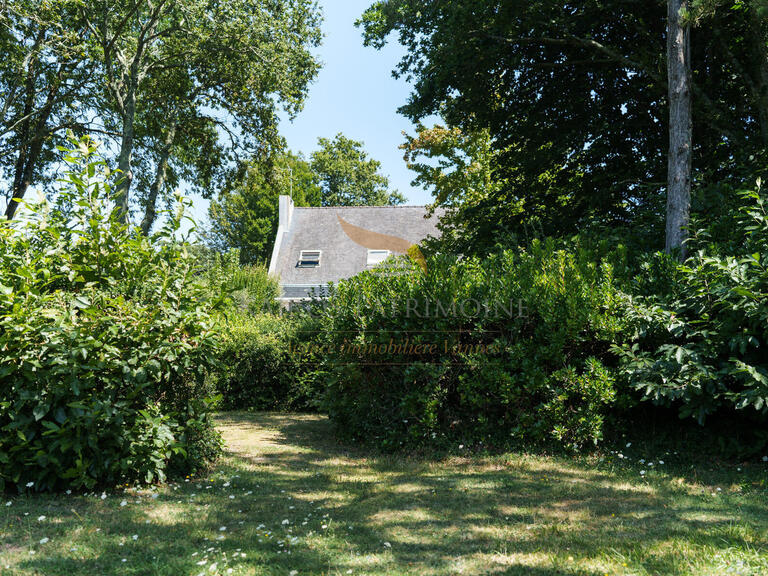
(181, 89)
(349, 177)
(575, 99)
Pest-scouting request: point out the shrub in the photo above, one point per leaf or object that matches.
(520, 354)
(701, 328)
(104, 344)
(263, 365)
(250, 288)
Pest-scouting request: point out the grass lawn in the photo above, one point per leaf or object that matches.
(288, 500)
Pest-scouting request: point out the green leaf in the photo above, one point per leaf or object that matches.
(81, 302)
(40, 411)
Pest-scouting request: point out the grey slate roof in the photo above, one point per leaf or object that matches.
(320, 229)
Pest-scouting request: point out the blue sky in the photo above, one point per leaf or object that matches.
(356, 95)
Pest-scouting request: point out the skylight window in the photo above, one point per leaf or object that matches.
(310, 259)
(376, 257)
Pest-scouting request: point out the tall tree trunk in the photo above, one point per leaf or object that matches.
(125, 159)
(161, 174)
(680, 126)
(31, 146)
(20, 185)
(25, 170)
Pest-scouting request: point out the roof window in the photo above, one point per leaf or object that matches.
(376, 257)
(310, 258)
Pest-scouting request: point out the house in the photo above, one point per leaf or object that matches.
(317, 246)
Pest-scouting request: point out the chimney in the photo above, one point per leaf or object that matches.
(286, 212)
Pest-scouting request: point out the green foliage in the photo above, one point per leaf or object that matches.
(106, 340)
(701, 327)
(521, 341)
(264, 365)
(45, 88)
(575, 102)
(245, 214)
(180, 74)
(183, 86)
(250, 288)
(348, 177)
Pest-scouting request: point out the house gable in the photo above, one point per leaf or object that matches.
(343, 253)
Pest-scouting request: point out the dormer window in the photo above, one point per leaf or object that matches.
(310, 259)
(376, 257)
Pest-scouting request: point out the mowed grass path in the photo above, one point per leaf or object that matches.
(289, 500)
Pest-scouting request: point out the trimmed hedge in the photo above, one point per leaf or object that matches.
(264, 366)
(532, 366)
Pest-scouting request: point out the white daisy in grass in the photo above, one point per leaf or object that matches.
(123, 503)
(223, 529)
(44, 540)
(30, 484)
(8, 503)
(40, 518)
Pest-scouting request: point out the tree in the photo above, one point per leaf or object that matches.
(185, 88)
(348, 177)
(245, 215)
(680, 125)
(225, 66)
(576, 120)
(46, 84)
(458, 168)
(576, 100)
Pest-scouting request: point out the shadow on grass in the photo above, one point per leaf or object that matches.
(384, 515)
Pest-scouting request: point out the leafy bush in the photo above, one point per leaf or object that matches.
(521, 339)
(105, 343)
(250, 288)
(263, 364)
(701, 327)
